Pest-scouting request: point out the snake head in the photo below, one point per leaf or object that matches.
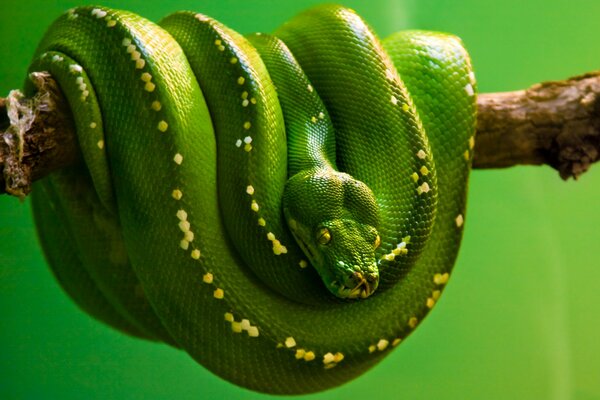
(334, 219)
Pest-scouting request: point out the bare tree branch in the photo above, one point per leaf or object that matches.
(553, 123)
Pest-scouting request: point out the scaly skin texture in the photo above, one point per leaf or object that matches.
(174, 226)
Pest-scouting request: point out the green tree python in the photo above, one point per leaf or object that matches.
(285, 208)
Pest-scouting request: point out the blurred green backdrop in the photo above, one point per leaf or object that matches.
(520, 316)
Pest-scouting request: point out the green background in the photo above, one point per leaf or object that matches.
(520, 316)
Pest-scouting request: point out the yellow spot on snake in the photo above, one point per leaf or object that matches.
(246, 324)
(270, 236)
(207, 278)
(126, 42)
(248, 147)
(310, 88)
(130, 48)
(394, 100)
(314, 120)
(229, 317)
(405, 107)
(372, 348)
(421, 154)
(300, 353)
(177, 194)
(328, 358)
(93, 125)
(430, 302)
(236, 327)
(149, 86)
(471, 142)
(136, 55)
(290, 342)
(139, 64)
(181, 215)
(382, 344)
(233, 60)
(110, 23)
(303, 264)
(184, 225)
(162, 126)
(195, 254)
(424, 188)
(156, 106)
(184, 244)
(396, 342)
(253, 331)
(338, 357)
(189, 236)
(250, 190)
(254, 206)
(218, 293)
(309, 356)
(100, 144)
(178, 159)
(412, 322)
(248, 139)
(424, 171)
(247, 125)
(415, 176)
(459, 220)
(253, 100)
(146, 77)
(244, 95)
(321, 115)
(466, 155)
(245, 103)
(436, 294)
(262, 222)
(241, 80)
(441, 279)
(218, 42)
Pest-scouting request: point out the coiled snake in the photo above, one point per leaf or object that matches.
(286, 208)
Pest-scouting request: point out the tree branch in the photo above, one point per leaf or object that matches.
(553, 123)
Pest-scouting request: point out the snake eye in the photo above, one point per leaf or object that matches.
(377, 242)
(323, 236)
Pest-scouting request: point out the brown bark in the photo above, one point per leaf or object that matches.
(37, 136)
(553, 123)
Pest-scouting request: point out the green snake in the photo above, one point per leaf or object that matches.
(286, 208)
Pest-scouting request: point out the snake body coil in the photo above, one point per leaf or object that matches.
(217, 169)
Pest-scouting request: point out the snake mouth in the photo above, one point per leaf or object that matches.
(359, 288)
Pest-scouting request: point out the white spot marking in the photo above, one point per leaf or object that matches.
(75, 68)
(469, 89)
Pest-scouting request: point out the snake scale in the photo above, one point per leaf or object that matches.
(285, 208)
